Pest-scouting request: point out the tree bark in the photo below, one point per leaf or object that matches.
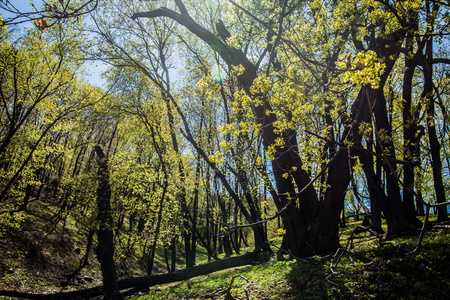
(190, 260)
(375, 207)
(432, 136)
(409, 131)
(105, 248)
(225, 240)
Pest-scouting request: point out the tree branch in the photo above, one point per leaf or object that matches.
(229, 55)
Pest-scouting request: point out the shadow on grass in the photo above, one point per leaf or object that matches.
(390, 272)
(368, 271)
(308, 280)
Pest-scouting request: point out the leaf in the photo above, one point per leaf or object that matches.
(340, 64)
(41, 24)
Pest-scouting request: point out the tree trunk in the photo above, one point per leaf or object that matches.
(152, 250)
(225, 237)
(323, 233)
(105, 248)
(190, 261)
(173, 251)
(387, 158)
(435, 146)
(409, 131)
(375, 207)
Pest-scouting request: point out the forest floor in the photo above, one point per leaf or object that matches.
(43, 254)
(369, 270)
(40, 259)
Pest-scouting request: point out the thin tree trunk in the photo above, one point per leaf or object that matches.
(409, 130)
(432, 136)
(152, 250)
(375, 218)
(173, 250)
(191, 261)
(226, 237)
(85, 260)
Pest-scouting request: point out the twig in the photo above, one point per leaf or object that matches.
(340, 252)
(422, 231)
(227, 291)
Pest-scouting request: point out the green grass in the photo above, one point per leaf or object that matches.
(368, 270)
(393, 272)
(256, 281)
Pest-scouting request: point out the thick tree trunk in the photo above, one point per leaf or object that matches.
(323, 233)
(105, 248)
(383, 131)
(375, 207)
(393, 210)
(387, 158)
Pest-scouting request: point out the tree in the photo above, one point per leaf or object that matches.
(41, 96)
(105, 248)
(319, 233)
(152, 60)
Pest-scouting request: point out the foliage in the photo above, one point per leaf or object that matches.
(367, 271)
(228, 123)
(41, 101)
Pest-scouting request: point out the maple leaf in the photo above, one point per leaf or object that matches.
(41, 24)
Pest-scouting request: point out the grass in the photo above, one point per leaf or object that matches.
(35, 260)
(393, 272)
(256, 281)
(368, 271)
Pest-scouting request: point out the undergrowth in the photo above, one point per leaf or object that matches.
(369, 270)
(38, 259)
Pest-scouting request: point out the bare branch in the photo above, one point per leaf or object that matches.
(53, 13)
(231, 56)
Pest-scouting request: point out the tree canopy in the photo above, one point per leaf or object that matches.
(219, 118)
